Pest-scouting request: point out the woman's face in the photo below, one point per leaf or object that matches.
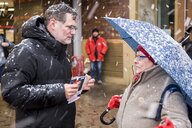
(142, 63)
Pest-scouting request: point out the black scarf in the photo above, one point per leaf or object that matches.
(95, 38)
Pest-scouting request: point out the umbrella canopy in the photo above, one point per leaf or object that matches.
(166, 52)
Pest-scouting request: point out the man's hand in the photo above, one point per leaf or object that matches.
(71, 89)
(114, 102)
(5, 44)
(167, 124)
(88, 82)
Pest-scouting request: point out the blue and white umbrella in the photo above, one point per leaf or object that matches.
(166, 52)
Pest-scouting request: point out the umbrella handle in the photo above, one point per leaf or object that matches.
(102, 117)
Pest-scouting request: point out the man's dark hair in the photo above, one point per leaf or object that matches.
(95, 30)
(58, 12)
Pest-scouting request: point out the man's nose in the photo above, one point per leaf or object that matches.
(73, 31)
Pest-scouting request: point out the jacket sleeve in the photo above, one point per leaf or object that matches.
(11, 45)
(87, 47)
(105, 46)
(176, 110)
(17, 90)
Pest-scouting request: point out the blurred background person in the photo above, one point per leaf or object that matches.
(96, 48)
(5, 47)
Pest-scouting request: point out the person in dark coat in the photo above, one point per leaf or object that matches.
(186, 42)
(5, 47)
(36, 79)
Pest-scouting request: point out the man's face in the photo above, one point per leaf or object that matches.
(142, 63)
(64, 32)
(95, 34)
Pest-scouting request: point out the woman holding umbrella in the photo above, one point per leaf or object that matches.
(140, 101)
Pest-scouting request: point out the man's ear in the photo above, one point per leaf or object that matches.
(52, 24)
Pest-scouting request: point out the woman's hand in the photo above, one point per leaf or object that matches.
(167, 124)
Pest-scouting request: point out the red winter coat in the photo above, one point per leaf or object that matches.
(101, 46)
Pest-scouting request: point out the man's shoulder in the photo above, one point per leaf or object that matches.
(102, 38)
(28, 44)
(89, 38)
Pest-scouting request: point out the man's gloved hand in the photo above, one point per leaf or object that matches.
(114, 102)
(167, 124)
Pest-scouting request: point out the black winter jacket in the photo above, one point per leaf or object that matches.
(34, 78)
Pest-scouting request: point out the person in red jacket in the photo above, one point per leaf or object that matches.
(96, 48)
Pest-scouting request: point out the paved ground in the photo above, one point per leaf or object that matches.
(6, 115)
(89, 108)
(92, 104)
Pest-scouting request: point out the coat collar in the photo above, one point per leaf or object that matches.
(152, 73)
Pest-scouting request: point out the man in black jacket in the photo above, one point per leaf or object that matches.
(38, 72)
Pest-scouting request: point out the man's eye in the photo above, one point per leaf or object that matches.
(72, 27)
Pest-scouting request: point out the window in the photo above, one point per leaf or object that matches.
(166, 10)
